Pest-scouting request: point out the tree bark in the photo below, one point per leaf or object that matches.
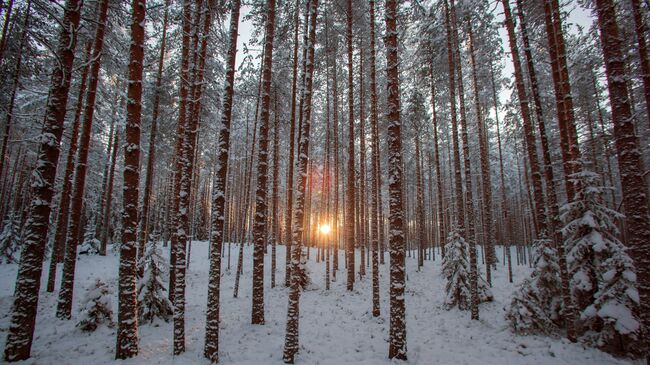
(291, 342)
(213, 319)
(397, 335)
(64, 306)
(635, 195)
(350, 191)
(127, 330)
(374, 210)
(562, 87)
(28, 283)
(151, 158)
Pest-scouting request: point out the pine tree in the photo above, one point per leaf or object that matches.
(536, 305)
(153, 301)
(602, 274)
(456, 271)
(97, 308)
(9, 240)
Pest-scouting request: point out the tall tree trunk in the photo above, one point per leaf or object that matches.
(350, 191)
(458, 184)
(635, 195)
(554, 224)
(5, 29)
(291, 341)
(211, 348)
(488, 226)
(151, 159)
(28, 282)
(562, 87)
(362, 202)
(434, 119)
(261, 208)
(641, 29)
(108, 196)
(531, 147)
(64, 306)
(14, 89)
(468, 229)
(397, 335)
(127, 325)
(275, 195)
(58, 249)
(419, 203)
(292, 139)
(179, 238)
(375, 197)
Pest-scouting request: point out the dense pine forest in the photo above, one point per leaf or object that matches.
(325, 181)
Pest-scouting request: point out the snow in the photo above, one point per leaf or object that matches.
(336, 326)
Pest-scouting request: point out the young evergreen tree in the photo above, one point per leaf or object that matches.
(9, 240)
(456, 271)
(97, 308)
(602, 274)
(536, 305)
(153, 301)
(90, 244)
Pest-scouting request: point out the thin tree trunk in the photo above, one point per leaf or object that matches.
(28, 283)
(14, 89)
(261, 208)
(375, 197)
(397, 335)
(350, 191)
(58, 249)
(292, 138)
(562, 87)
(64, 306)
(213, 319)
(291, 342)
(151, 159)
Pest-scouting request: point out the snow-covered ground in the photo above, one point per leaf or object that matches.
(336, 326)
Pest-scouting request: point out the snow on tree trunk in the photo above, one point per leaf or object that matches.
(291, 340)
(64, 307)
(28, 283)
(350, 190)
(397, 334)
(127, 318)
(635, 194)
(261, 208)
(58, 249)
(374, 210)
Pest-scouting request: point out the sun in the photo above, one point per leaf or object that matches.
(325, 228)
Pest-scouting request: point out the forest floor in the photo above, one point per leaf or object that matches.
(336, 326)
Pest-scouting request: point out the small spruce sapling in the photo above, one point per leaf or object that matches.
(153, 300)
(9, 240)
(97, 308)
(455, 269)
(536, 305)
(91, 244)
